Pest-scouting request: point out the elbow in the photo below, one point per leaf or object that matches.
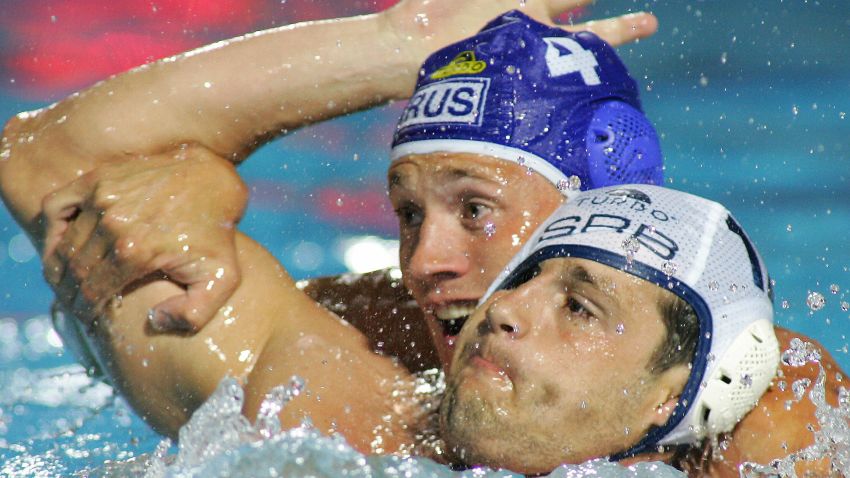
(11, 136)
(18, 132)
(15, 171)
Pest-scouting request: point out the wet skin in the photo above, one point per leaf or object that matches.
(461, 218)
(563, 362)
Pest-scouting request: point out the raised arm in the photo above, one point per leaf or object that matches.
(232, 96)
(227, 98)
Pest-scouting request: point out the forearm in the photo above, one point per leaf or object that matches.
(227, 97)
(165, 377)
(231, 95)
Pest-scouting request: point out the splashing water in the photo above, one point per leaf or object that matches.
(54, 418)
(832, 439)
(220, 442)
(91, 427)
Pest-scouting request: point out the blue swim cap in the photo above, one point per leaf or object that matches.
(561, 103)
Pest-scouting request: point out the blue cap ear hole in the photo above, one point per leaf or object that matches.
(602, 136)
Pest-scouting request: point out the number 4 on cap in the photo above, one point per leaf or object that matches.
(576, 60)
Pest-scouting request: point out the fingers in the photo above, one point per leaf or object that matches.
(621, 30)
(65, 248)
(58, 209)
(209, 284)
(121, 264)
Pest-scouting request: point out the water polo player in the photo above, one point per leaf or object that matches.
(636, 317)
(502, 126)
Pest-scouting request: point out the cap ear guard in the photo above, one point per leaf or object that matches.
(738, 378)
(741, 377)
(622, 147)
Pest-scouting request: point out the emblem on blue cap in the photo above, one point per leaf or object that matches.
(463, 64)
(459, 101)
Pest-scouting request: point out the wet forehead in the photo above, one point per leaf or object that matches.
(450, 167)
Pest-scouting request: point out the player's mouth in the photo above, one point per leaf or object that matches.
(451, 317)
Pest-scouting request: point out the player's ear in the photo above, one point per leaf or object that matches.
(670, 384)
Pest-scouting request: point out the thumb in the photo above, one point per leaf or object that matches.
(208, 287)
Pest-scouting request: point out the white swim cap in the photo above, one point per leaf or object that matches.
(694, 248)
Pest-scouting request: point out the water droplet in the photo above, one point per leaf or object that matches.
(296, 386)
(746, 380)
(789, 228)
(795, 110)
(510, 69)
(834, 289)
(785, 304)
(563, 185)
(703, 81)
(845, 306)
(799, 388)
(422, 19)
(575, 183)
(669, 268)
(723, 58)
(800, 353)
(489, 229)
(733, 287)
(713, 285)
(339, 201)
(631, 246)
(815, 301)
(620, 329)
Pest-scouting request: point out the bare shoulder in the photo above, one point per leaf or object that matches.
(380, 307)
(780, 424)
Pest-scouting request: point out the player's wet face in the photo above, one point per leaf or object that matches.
(556, 370)
(461, 218)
